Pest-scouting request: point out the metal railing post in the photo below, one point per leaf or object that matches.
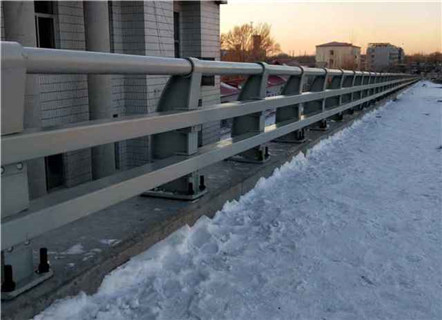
(380, 80)
(348, 82)
(357, 94)
(381, 88)
(291, 113)
(364, 93)
(336, 83)
(313, 107)
(377, 80)
(16, 262)
(180, 93)
(372, 80)
(254, 89)
(14, 176)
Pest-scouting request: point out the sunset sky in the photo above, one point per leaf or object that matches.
(300, 25)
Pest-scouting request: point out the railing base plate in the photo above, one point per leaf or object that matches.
(291, 141)
(27, 284)
(172, 195)
(247, 160)
(320, 128)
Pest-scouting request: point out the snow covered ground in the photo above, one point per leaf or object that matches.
(352, 230)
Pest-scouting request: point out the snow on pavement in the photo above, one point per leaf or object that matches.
(350, 231)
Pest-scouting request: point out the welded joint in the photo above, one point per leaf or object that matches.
(196, 66)
(342, 78)
(255, 87)
(289, 89)
(341, 83)
(293, 86)
(265, 77)
(326, 76)
(13, 84)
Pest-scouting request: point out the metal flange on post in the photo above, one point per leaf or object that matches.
(181, 93)
(17, 265)
(292, 113)
(365, 81)
(358, 94)
(255, 88)
(313, 107)
(334, 102)
(348, 82)
(371, 91)
(357, 81)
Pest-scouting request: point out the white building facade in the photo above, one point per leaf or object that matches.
(151, 28)
(383, 56)
(338, 55)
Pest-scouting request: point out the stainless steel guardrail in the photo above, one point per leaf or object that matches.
(332, 92)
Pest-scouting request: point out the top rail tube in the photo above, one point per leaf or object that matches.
(58, 61)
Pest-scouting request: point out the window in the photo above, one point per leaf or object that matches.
(44, 24)
(332, 52)
(54, 171)
(207, 80)
(200, 138)
(176, 33)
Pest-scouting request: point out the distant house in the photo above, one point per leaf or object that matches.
(363, 65)
(306, 61)
(337, 55)
(384, 56)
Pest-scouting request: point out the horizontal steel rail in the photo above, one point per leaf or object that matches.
(65, 206)
(53, 61)
(78, 202)
(33, 143)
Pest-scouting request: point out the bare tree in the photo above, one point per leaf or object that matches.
(249, 43)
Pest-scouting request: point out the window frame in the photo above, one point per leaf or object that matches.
(54, 18)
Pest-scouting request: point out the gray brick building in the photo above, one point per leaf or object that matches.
(153, 28)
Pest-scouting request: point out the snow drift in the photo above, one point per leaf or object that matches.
(352, 230)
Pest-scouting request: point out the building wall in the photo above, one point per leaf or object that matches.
(148, 29)
(382, 57)
(128, 92)
(141, 28)
(342, 56)
(64, 98)
(136, 27)
(200, 38)
(378, 57)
